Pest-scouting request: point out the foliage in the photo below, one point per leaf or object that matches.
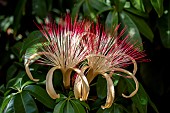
(146, 21)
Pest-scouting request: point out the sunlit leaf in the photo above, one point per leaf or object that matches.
(6, 102)
(10, 106)
(41, 95)
(158, 6)
(138, 4)
(68, 107)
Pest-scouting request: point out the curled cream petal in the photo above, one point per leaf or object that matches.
(49, 84)
(78, 87)
(85, 85)
(133, 77)
(31, 58)
(27, 66)
(110, 92)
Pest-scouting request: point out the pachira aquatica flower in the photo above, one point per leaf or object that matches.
(87, 50)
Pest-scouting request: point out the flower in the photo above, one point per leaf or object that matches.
(64, 50)
(109, 54)
(86, 49)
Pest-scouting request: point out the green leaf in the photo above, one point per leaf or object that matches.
(137, 12)
(101, 89)
(138, 4)
(97, 4)
(59, 107)
(41, 95)
(19, 11)
(10, 106)
(89, 11)
(39, 8)
(132, 30)
(142, 26)
(24, 103)
(33, 38)
(164, 29)
(11, 72)
(83, 103)
(111, 21)
(119, 4)
(78, 108)
(147, 5)
(6, 102)
(158, 6)
(76, 9)
(68, 108)
(140, 99)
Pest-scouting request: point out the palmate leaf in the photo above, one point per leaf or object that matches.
(41, 95)
(24, 103)
(101, 89)
(70, 105)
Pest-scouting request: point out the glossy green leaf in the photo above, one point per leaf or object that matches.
(19, 12)
(137, 12)
(158, 6)
(6, 102)
(83, 103)
(164, 29)
(78, 108)
(132, 30)
(140, 100)
(142, 26)
(97, 4)
(33, 38)
(101, 89)
(24, 103)
(111, 21)
(138, 4)
(41, 95)
(59, 107)
(148, 6)
(39, 8)
(89, 11)
(10, 106)
(11, 72)
(68, 107)
(76, 9)
(119, 4)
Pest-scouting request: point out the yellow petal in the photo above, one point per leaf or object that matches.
(110, 92)
(49, 84)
